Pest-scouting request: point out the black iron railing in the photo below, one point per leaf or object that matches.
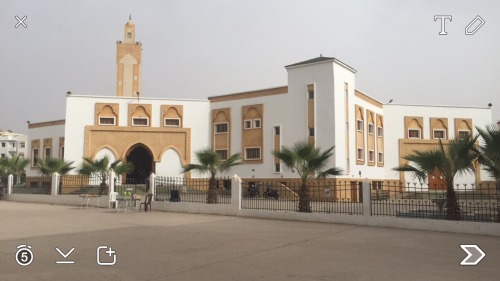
(412, 200)
(192, 190)
(33, 185)
(342, 197)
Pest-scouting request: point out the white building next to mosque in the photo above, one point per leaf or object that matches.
(320, 104)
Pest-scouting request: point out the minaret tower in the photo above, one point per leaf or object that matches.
(128, 62)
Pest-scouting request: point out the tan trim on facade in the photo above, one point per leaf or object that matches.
(172, 111)
(439, 124)
(61, 148)
(311, 115)
(139, 111)
(462, 124)
(370, 139)
(252, 138)
(251, 94)
(380, 140)
(221, 140)
(368, 99)
(106, 110)
(35, 144)
(413, 122)
(360, 136)
(121, 139)
(408, 146)
(46, 124)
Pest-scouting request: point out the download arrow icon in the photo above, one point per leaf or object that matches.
(474, 254)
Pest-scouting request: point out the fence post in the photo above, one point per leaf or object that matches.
(112, 177)
(10, 181)
(54, 184)
(236, 193)
(367, 202)
(152, 185)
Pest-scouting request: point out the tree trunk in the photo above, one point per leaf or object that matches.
(452, 207)
(212, 191)
(103, 189)
(304, 201)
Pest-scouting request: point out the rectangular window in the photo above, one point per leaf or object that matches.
(61, 153)
(106, 120)
(22, 144)
(311, 132)
(277, 130)
(360, 154)
(139, 121)
(381, 157)
(172, 122)
(380, 132)
(3, 144)
(371, 156)
(247, 124)
(359, 125)
(13, 144)
(463, 134)
(252, 153)
(311, 95)
(414, 133)
(21, 155)
(439, 134)
(3, 155)
(371, 129)
(34, 160)
(277, 168)
(221, 128)
(256, 123)
(48, 151)
(222, 153)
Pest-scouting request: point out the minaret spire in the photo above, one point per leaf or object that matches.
(130, 17)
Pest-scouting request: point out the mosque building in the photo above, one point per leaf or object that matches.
(320, 104)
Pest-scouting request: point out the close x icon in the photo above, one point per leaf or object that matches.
(20, 21)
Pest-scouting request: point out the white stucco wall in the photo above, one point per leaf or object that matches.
(80, 113)
(45, 132)
(394, 129)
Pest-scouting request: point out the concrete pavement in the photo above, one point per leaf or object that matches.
(177, 246)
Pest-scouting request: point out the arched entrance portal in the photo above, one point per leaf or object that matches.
(142, 159)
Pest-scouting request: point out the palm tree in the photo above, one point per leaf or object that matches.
(309, 162)
(456, 158)
(489, 156)
(50, 165)
(210, 162)
(102, 167)
(13, 166)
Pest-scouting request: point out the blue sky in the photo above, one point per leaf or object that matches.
(196, 49)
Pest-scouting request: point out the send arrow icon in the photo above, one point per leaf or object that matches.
(474, 254)
(65, 256)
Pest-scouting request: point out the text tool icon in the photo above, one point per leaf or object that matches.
(21, 22)
(474, 254)
(108, 256)
(24, 255)
(65, 256)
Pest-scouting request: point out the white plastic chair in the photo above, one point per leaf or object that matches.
(112, 199)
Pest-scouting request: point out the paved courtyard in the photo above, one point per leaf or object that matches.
(176, 246)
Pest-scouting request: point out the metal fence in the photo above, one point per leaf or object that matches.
(339, 197)
(192, 190)
(476, 203)
(80, 184)
(33, 185)
(131, 185)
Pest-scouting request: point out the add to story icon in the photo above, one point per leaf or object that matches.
(109, 252)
